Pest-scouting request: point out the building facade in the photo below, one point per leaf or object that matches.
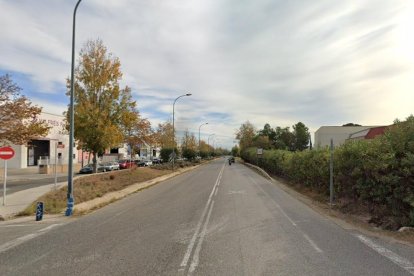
(339, 134)
(44, 150)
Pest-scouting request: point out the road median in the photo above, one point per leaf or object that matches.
(94, 191)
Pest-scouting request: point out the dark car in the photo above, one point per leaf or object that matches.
(126, 164)
(89, 168)
(139, 163)
(156, 161)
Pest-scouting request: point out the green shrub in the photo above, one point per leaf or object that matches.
(377, 172)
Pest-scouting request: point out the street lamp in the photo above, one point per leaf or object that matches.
(208, 141)
(70, 200)
(199, 136)
(173, 154)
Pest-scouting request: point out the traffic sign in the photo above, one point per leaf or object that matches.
(6, 153)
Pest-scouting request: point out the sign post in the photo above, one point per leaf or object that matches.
(5, 153)
(259, 153)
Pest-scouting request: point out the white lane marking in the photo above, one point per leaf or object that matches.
(398, 260)
(276, 204)
(283, 212)
(16, 242)
(49, 227)
(196, 255)
(312, 243)
(193, 239)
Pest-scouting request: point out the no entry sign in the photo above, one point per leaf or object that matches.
(6, 153)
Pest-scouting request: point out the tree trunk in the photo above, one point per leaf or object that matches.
(94, 162)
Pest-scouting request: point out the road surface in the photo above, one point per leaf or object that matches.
(215, 220)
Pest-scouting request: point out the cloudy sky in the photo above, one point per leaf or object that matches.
(268, 61)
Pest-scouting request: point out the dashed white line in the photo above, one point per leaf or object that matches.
(196, 233)
(196, 255)
(18, 241)
(312, 243)
(395, 258)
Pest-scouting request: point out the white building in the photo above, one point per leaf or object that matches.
(339, 134)
(44, 148)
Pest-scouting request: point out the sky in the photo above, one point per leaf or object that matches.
(320, 62)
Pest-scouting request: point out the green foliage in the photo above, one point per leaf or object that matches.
(165, 154)
(188, 153)
(377, 172)
(203, 154)
(235, 151)
(301, 133)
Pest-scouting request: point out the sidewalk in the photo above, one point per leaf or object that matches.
(18, 201)
(26, 174)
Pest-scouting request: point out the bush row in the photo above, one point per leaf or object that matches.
(377, 173)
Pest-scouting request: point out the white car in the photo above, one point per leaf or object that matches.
(148, 163)
(111, 166)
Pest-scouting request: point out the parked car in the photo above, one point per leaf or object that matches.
(140, 163)
(89, 168)
(156, 161)
(148, 163)
(111, 166)
(126, 164)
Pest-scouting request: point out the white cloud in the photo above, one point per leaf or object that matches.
(319, 62)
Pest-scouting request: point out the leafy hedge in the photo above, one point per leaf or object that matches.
(377, 173)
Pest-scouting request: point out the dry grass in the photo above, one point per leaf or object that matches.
(93, 186)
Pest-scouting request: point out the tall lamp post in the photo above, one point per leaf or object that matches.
(173, 154)
(208, 141)
(199, 137)
(70, 200)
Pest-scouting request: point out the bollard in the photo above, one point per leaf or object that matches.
(39, 211)
(69, 210)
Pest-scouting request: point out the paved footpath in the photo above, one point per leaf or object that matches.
(18, 201)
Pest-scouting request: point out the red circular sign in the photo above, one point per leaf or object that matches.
(6, 153)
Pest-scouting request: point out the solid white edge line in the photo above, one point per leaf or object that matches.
(196, 255)
(395, 258)
(193, 239)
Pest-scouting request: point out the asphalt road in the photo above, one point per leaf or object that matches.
(215, 220)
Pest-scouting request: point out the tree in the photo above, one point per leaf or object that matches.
(101, 106)
(137, 130)
(245, 135)
(351, 124)
(204, 149)
(163, 136)
(284, 139)
(263, 142)
(188, 153)
(189, 141)
(235, 151)
(301, 134)
(18, 117)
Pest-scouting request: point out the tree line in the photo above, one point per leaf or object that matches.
(105, 113)
(273, 138)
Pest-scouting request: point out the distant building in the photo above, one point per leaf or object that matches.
(339, 134)
(44, 149)
(369, 133)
